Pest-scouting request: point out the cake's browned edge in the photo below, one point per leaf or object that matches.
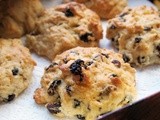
(145, 109)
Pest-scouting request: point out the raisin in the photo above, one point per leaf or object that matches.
(88, 107)
(141, 59)
(51, 65)
(112, 39)
(53, 86)
(107, 90)
(76, 103)
(115, 41)
(15, 71)
(147, 29)
(113, 27)
(158, 48)
(138, 39)
(114, 75)
(85, 36)
(54, 108)
(11, 97)
(75, 67)
(68, 90)
(68, 13)
(116, 63)
(81, 117)
(123, 14)
(106, 55)
(65, 60)
(126, 58)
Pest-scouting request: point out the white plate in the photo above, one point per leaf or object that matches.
(24, 107)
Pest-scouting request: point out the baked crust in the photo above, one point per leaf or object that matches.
(106, 9)
(135, 32)
(64, 27)
(17, 17)
(16, 66)
(85, 83)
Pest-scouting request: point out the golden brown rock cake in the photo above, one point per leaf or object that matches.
(16, 66)
(106, 9)
(84, 83)
(18, 17)
(64, 27)
(136, 34)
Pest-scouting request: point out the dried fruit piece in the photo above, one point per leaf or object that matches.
(107, 56)
(158, 48)
(51, 65)
(112, 27)
(54, 108)
(15, 71)
(147, 29)
(81, 117)
(53, 87)
(85, 37)
(68, 13)
(68, 90)
(11, 97)
(116, 63)
(76, 68)
(107, 90)
(126, 58)
(76, 103)
(141, 59)
(114, 75)
(123, 14)
(138, 39)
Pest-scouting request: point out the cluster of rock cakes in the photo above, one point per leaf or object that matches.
(83, 81)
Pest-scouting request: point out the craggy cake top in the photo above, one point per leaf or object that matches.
(16, 66)
(86, 82)
(136, 34)
(64, 27)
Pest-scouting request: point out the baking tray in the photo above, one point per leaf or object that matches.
(24, 107)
